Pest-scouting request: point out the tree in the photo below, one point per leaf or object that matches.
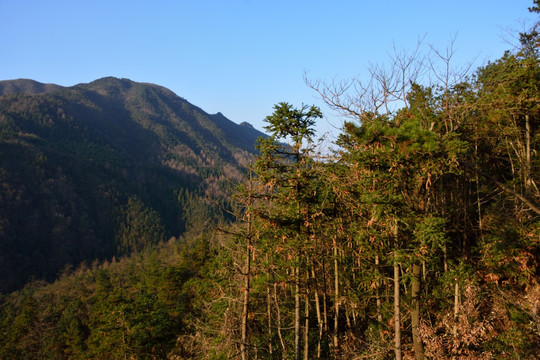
(285, 170)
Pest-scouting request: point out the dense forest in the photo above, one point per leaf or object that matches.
(417, 237)
(107, 169)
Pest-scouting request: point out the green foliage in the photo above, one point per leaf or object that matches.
(430, 232)
(297, 124)
(134, 308)
(140, 227)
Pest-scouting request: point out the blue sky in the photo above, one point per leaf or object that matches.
(240, 57)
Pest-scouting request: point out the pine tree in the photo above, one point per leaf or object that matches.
(285, 171)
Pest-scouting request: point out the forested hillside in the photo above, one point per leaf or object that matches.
(26, 86)
(417, 238)
(106, 169)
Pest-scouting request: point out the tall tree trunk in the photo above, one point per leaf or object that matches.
(397, 319)
(318, 311)
(397, 315)
(297, 325)
(306, 326)
(527, 153)
(245, 310)
(478, 200)
(325, 302)
(269, 315)
(377, 290)
(336, 297)
(415, 312)
(247, 273)
(243, 344)
(278, 318)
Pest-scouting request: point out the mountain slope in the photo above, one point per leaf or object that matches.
(26, 86)
(106, 169)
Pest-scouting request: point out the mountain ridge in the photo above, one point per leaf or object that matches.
(106, 169)
(26, 86)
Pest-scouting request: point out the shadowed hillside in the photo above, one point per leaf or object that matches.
(107, 168)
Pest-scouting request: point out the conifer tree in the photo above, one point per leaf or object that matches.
(285, 170)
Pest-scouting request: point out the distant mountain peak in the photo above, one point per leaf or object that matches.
(246, 124)
(112, 81)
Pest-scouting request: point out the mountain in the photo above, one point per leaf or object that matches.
(106, 169)
(26, 86)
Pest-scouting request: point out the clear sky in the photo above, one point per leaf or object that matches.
(240, 57)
